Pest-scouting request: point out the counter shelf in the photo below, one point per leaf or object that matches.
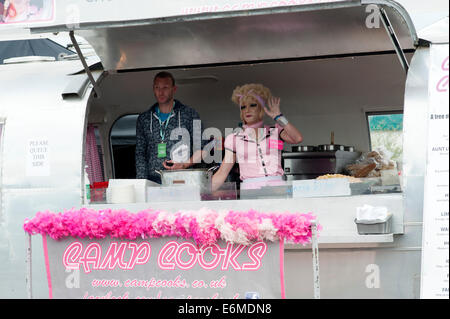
(336, 214)
(230, 191)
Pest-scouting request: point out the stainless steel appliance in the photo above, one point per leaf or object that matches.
(198, 177)
(309, 165)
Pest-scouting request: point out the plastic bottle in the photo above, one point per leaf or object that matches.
(87, 189)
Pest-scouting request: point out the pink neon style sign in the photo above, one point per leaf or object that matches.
(442, 85)
(169, 257)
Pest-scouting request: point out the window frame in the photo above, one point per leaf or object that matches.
(368, 113)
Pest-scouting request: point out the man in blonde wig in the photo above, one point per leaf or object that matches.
(258, 147)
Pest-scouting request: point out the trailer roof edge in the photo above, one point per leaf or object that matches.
(194, 17)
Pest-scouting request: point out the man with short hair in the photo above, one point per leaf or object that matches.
(157, 128)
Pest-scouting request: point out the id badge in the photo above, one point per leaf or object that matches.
(162, 150)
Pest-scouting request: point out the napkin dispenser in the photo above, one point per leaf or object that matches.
(373, 220)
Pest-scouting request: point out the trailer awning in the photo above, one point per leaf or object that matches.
(296, 32)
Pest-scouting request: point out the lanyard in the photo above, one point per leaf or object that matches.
(162, 132)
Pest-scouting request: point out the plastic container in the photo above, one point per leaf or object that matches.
(226, 192)
(121, 194)
(376, 226)
(390, 177)
(98, 193)
(140, 189)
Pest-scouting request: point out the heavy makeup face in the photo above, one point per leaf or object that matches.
(251, 111)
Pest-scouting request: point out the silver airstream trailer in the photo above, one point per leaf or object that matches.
(331, 62)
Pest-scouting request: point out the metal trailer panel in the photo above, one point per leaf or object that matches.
(75, 14)
(231, 39)
(78, 13)
(38, 114)
(355, 273)
(60, 131)
(415, 130)
(19, 204)
(31, 86)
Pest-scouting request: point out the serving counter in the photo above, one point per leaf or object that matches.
(351, 265)
(335, 214)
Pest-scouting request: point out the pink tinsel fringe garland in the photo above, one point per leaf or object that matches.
(204, 226)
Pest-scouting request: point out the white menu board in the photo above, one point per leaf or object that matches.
(434, 279)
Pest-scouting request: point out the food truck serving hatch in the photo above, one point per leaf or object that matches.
(334, 28)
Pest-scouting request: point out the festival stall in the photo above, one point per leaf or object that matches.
(332, 62)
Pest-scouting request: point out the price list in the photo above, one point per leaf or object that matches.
(435, 239)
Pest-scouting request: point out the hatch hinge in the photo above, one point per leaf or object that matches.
(390, 30)
(85, 65)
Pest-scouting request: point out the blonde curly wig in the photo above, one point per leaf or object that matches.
(244, 93)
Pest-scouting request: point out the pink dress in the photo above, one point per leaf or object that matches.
(259, 160)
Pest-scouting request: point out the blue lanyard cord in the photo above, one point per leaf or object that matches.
(162, 132)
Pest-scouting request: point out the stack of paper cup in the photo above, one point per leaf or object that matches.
(121, 194)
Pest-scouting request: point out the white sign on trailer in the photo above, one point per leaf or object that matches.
(435, 261)
(38, 163)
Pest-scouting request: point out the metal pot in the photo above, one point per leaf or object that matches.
(199, 177)
(304, 148)
(331, 147)
(349, 148)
